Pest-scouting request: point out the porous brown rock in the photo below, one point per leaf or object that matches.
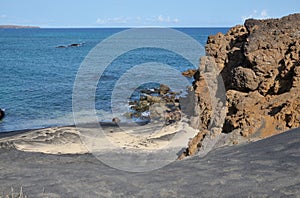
(260, 66)
(163, 89)
(189, 73)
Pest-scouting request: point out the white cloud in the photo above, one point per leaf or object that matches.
(160, 18)
(100, 21)
(112, 21)
(167, 19)
(264, 14)
(137, 21)
(3, 16)
(257, 15)
(139, 18)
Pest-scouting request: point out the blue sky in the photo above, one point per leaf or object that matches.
(141, 13)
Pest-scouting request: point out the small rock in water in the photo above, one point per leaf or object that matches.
(71, 45)
(156, 104)
(75, 45)
(163, 89)
(116, 120)
(2, 114)
(61, 46)
(128, 115)
(153, 99)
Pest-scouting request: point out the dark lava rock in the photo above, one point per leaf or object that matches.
(2, 114)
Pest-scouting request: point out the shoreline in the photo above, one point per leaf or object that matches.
(119, 139)
(104, 124)
(112, 137)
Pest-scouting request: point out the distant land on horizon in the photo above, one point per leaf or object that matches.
(17, 26)
(100, 27)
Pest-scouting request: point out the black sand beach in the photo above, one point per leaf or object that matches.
(266, 168)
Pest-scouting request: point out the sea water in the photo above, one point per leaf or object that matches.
(37, 77)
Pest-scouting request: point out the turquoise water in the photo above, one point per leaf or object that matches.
(37, 78)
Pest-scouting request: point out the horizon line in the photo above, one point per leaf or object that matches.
(116, 27)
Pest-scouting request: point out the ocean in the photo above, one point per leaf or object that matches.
(37, 76)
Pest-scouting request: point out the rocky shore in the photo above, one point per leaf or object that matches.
(246, 89)
(156, 104)
(259, 63)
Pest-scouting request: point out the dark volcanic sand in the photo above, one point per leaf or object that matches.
(267, 168)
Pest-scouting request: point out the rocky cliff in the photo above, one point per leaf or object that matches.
(259, 64)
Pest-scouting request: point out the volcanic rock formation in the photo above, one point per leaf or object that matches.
(259, 63)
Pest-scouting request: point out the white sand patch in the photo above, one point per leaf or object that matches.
(72, 140)
(140, 138)
(68, 148)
